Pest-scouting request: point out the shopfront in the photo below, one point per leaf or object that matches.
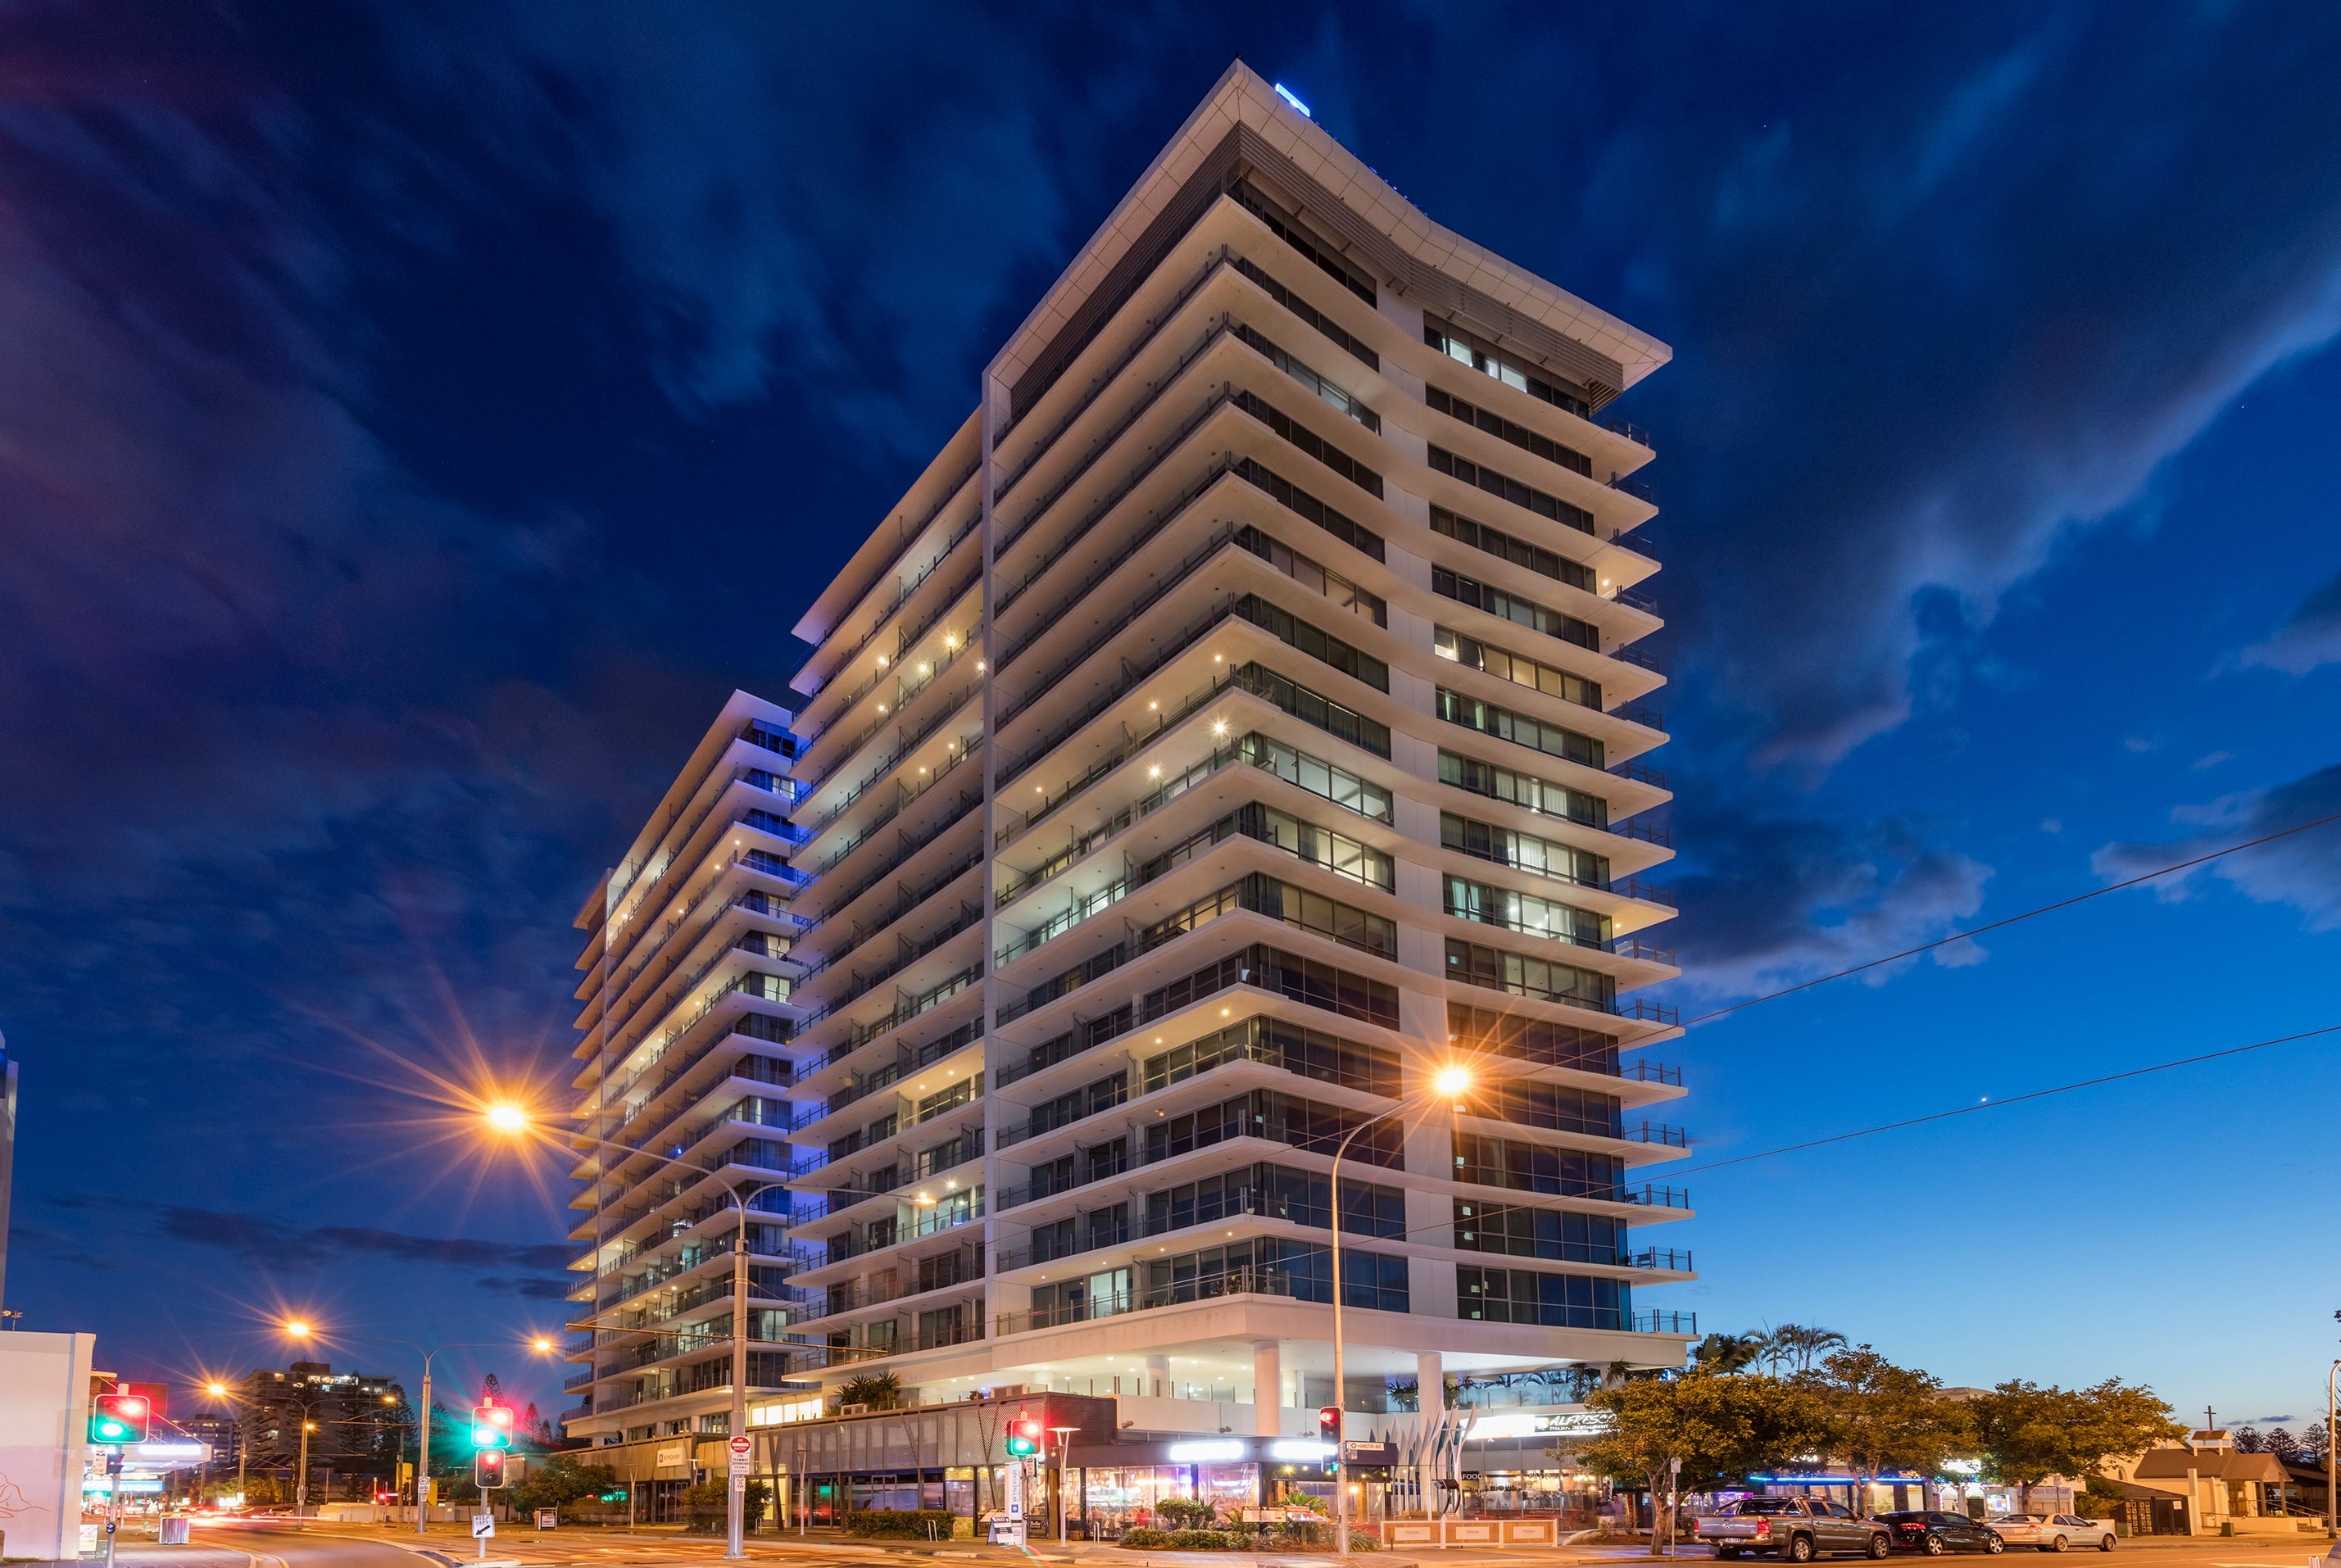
(1123, 1486)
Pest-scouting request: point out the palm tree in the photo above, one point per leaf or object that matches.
(1730, 1352)
(878, 1390)
(1795, 1343)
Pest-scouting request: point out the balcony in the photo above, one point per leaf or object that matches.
(1241, 1282)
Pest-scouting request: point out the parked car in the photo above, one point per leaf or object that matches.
(1798, 1528)
(1934, 1532)
(2053, 1531)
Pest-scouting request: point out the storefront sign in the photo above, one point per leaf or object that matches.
(1302, 1450)
(674, 1454)
(1214, 1452)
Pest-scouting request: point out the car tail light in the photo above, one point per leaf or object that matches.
(1763, 1527)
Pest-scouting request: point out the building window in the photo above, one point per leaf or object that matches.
(1308, 442)
(1541, 795)
(1557, 1236)
(1491, 905)
(1322, 646)
(1535, 1167)
(1309, 1053)
(1302, 505)
(1464, 348)
(1510, 607)
(1289, 229)
(1326, 391)
(1481, 477)
(1516, 668)
(1549, 1300)
(1522, 729)
(1524, 975)
(1484, 1029)
(1506, 431)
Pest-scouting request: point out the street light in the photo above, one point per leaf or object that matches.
(1450, 1083)
(512, 1119)
(422, 1424)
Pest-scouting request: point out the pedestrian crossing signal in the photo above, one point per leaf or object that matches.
(117, 1419)
(488, 1468)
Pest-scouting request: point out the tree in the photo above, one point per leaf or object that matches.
(2313, 1441)
(558, 1480)
(878, 1390)
(535, 1430)
(2280, 1442)
(1721, 1427)
(2248, 1440)
(2029, 1433)
(1886, 1417)
(1729, 1352)
(1794, 1343)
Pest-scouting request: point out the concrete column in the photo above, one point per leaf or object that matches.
(1158, 1377)
(1430, 1385)
(1266, 1388)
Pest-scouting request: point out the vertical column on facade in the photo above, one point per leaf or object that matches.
(1266, 1388)
(994, 417)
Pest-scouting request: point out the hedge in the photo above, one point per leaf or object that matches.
(900, 1523)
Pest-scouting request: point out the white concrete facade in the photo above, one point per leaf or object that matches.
(1238, 722)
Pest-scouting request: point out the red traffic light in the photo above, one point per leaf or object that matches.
(115, 1419)
(492, 1426)
(1024, 1436)
(1328, 1423)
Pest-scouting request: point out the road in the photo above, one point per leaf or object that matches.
(372, 1546)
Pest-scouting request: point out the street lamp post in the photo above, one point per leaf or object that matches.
(301, 1476)
(1064, 1435)
(1451, 1082)
(2332, 1449)
(512, 1119)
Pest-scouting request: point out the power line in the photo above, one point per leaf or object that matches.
(2011, 1100)
(2012, 919)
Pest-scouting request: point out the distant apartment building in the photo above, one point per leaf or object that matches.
(1242, 718)
(361, 1424)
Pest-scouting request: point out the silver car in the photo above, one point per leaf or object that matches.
(2053, 1531)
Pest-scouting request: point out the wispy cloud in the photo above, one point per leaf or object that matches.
(2303, 871)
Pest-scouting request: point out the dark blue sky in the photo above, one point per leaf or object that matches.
(414, 422)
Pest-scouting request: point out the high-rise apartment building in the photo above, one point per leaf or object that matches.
(1242, 719)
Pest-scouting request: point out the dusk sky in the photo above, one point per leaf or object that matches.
(414, 422)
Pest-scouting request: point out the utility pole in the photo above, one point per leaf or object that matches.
(301, 1481)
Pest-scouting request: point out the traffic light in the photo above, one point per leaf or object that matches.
(619, 1495)
(1024, 1438)
(1329, 1424)
(117, 1419)
(488, 1468)
(492, 1426)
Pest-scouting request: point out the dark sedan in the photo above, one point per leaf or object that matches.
(1935, 1532)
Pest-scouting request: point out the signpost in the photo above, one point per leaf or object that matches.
(482, 1526)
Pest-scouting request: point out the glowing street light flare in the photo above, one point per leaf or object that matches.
(1451, 1081)
(507, 1118)
(297, 1329)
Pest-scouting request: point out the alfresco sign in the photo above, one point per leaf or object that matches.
(1575, 1423)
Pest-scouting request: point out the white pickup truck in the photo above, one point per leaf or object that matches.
(1798, 1528)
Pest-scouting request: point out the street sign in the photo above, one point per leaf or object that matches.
(743, 1445)
(547, 1518)
(739, 1465)
(482, 1526)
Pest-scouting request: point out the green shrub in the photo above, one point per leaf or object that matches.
(900, 1523)
(1201, 1540)
(1365, 1540)
(1186, 1513)
(1144, 1536)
